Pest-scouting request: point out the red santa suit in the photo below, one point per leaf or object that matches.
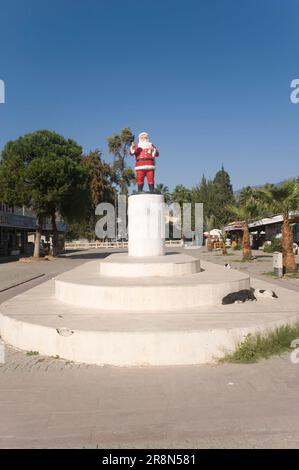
(145, 162)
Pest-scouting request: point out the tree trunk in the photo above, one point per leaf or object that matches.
(38, 233)
(288, 256)
(55, 235)
(246, 243)
(123, 184)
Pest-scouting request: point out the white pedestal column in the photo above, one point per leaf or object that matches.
(146, 226)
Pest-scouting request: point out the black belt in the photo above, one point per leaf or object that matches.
(145, 159)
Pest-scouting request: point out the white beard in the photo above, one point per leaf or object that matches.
(144, 145)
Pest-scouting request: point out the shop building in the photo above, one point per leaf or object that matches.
(17, 231)
(264, 230)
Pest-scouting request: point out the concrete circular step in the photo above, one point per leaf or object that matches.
(37, 321)
(84, 287)
(171, 264)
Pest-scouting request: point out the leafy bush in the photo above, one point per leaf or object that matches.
(274, 246)
(259, 346)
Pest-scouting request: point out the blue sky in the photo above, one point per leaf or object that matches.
(209, 79)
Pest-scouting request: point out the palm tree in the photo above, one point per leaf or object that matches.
(181, 194)
(223, 237)
(245, 195)
(209, 222)
(246, 213)
(282, 200)
(162, 189)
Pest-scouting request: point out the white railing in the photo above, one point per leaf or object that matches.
(85, 245)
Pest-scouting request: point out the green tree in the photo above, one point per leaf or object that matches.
(223, 194)
(41, 170)
(118, 145)
(223, 186)
(282, 200)
(223, 237)
(205, 193)
(246, 214)
(209, 224)
(102, 178)
(100, 188)
(162, 189)
(246, 194)
(181, 194)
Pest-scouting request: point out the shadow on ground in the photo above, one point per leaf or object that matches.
(83, 255)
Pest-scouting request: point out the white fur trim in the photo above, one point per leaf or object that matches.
(143, 134)
(145, 167)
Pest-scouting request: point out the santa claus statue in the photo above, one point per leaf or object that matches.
(145, 153)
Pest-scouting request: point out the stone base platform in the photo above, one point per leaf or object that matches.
(37, 321)
(170, 264)
(87, 287)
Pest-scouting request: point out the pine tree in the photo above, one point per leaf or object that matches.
(224, 196)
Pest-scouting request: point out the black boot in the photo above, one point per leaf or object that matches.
(140, 188)
(151, 188)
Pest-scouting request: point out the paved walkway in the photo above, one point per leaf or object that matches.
(17, 277)
(263, 263)
(48, 402)
(17, 272)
